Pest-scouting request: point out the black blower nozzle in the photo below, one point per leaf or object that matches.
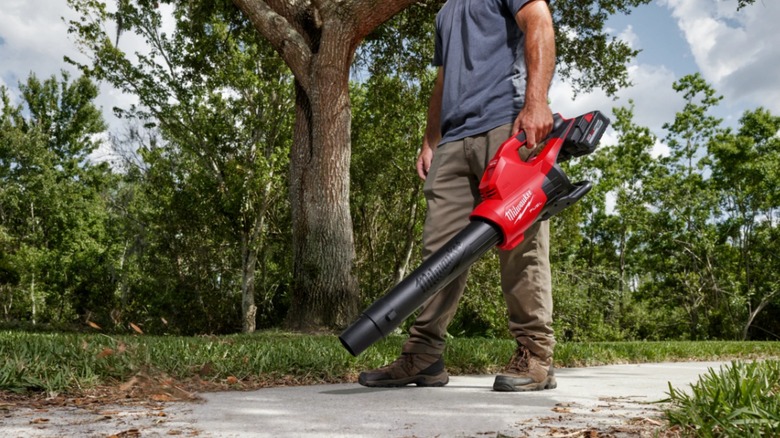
(438, 270)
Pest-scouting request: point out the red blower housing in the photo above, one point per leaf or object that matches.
(516, 193)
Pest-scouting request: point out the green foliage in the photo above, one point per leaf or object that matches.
(387, 206)
(635, 259)
(742, 399)
(745, 168)
(207, 222)
(57, 253)
(597, 246)
(587, 56)
(742, 3)
(482, 310)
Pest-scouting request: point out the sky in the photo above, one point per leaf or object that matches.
(737, 52)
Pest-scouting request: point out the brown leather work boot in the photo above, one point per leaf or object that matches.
(421, 369)
(526, 372)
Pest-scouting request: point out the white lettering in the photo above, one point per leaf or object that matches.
(516, 212)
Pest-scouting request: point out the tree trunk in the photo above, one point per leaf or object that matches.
(317, 40)
(248, 264)
(325, 292)
(402, 266)
(32, 298)
(753, 313)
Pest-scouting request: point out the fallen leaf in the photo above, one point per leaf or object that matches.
(162, 397)
(93, 325)
(232, 380)
(129, 384)
(105, 353)
(136, 328)
(126, 434)
(206, 369)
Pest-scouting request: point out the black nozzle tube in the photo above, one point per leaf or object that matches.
(437, 271)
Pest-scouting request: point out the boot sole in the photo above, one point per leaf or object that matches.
(435, 380)
(509, 384)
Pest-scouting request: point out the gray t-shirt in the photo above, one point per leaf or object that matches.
(480, 48)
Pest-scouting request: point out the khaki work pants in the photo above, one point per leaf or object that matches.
(451, 191)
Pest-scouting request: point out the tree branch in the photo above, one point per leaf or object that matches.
(367, 15)
(281, 32)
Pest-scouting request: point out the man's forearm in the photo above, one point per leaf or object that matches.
(433, 126)
(536, 22)
(535, 119)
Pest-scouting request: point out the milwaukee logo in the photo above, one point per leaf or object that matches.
(431, 278)
(518, 210)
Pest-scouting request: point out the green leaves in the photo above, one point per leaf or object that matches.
(588, 57)
(216, 103)
(51, 200)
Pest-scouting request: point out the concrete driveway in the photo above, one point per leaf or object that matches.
(617, 399)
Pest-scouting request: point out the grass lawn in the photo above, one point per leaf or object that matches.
(56, 362)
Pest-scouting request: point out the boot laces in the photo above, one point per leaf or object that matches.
(405, 363)
(520, 360)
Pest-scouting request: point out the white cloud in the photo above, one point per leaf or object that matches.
(34, 39)
(655, 100)
(736, 51)
(630, 37)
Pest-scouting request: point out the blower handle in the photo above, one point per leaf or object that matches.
(557, 122)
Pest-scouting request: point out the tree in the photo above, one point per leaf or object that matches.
(220, 99)
(745, 171)
(683, 251)
(52, 204)
(588, 56)
(617, 236)
(318, 40)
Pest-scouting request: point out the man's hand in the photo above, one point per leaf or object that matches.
(536, 121)
(424, 161)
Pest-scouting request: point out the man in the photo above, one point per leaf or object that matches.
(495, 59)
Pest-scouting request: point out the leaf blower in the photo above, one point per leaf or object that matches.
(515, 195)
